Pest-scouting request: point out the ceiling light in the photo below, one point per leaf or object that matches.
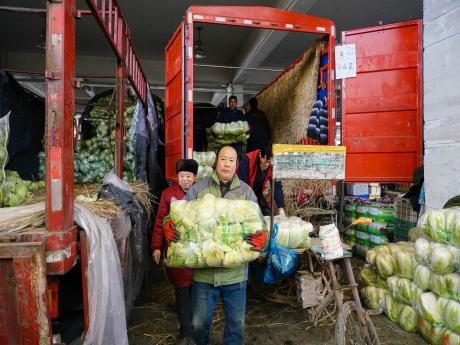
(200, 54)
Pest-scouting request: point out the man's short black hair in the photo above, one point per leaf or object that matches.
(233, 97)
(266, 151)
(253, 103)
(188, 165)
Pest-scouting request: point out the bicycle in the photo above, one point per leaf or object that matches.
(353, 326)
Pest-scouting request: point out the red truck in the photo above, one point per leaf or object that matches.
(381, 108)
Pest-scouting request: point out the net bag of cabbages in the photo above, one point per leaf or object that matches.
(211, 232)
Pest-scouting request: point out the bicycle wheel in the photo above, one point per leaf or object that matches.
(349, 331)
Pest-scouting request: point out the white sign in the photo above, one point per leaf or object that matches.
(345, 61)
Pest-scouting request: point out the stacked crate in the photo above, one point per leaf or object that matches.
(406, 219)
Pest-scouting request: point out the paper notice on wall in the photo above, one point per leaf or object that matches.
(345, 61)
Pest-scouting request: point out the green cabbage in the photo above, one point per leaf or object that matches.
(293, 232)
(422, 251)
(368, 276)
(441, 260)
(206, 158)
(433, 224)
(392, 308)
(400, 246)
(408, 319)
(371, 254)
(438, 284)
(381, 283)
(422, 277)
(175, 255)
(450, 338)
(213, 253)
(442, 304)
(424, 328)
(232, 259)
(403, 290)
(456, 256)
(247, 254)
(452, 282)
(452, 316)
(374, 298)
(404, 264)
(432, 334)
(393, 285)
(428, 308)
(385, 265)
(455, 229)
(228, 133)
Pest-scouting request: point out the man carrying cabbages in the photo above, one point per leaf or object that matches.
(181, 278)
(228, 283)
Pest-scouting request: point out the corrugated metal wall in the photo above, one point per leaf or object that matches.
(441, 100)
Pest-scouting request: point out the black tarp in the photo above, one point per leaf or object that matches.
(27, 126)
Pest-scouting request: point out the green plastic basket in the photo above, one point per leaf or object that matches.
(402, 228)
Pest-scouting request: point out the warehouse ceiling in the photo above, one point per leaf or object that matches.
(152, 22)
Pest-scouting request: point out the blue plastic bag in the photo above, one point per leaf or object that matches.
(281, 262)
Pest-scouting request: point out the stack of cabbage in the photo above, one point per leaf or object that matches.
(228, 133)
(212, 232)
(389, 283)
(94, 157)
(438, 273)
(13, 190)
(205, 162)
(293, 232)
(434, 289)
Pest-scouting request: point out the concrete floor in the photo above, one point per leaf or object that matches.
(154, 322)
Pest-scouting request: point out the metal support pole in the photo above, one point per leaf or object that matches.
(60, 73)
(27, 10)
(120, 127)
(272, 216)
(266, 69)
(341, 203)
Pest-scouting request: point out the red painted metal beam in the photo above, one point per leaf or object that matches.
(119, 34)
(119, 125)
(60, 73)
(26, 10)
(259, 17)
(110, 19)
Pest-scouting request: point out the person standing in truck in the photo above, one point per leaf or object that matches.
(228, 283)
(256, 170)
(232, 113)
(259, 129)
(181, 278)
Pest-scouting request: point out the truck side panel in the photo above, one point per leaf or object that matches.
(381, 107)
(174, 102)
